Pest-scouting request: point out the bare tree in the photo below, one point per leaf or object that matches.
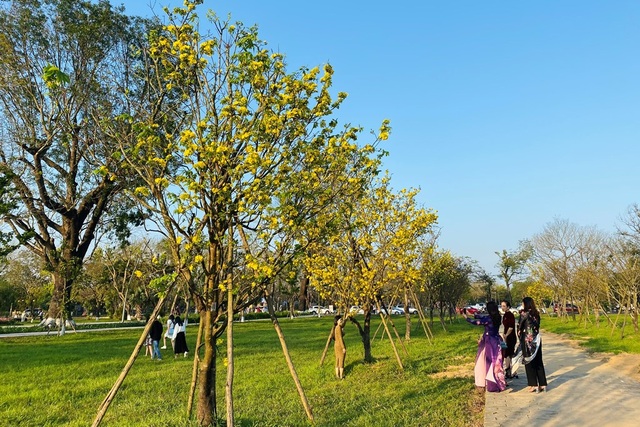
(566, 257)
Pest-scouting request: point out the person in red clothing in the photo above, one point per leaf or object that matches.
(508, 336)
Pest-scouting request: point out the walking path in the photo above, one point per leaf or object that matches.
(584, 390)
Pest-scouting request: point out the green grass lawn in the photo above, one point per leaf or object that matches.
(61, 381)
(595, 336)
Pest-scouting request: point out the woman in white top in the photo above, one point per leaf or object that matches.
(169, 333)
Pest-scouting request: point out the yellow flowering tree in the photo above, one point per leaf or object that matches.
(372, 252)
(240, 159)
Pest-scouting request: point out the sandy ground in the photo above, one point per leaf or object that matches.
(583, 390)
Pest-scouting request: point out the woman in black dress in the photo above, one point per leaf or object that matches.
(179, 337)
(531, 345)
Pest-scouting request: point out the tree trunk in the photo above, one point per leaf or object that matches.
(634, 311)
(365, 335)
(304, 285)
(407, 316)
(207, 414)
(124, 305)
(60, 296)
(196, 364)
(229, 384)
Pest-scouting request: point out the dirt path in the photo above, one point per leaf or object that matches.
(584, 390)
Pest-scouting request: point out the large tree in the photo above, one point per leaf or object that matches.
(64, 63)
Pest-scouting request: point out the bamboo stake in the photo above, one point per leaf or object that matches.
(381, 310)
(194, 370)
(287, 357)
(393, 345)
(425, 326)
(604, 312)
(395, 330)
(376, 333)
(326, 347)
(104, 406)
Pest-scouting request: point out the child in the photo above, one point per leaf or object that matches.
(148, 346)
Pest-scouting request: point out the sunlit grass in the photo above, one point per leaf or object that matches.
(597, 336)
(56, 381)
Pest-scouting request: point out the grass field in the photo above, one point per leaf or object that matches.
(61, 381)
(598, 337)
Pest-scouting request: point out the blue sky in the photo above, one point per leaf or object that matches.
(505, 114)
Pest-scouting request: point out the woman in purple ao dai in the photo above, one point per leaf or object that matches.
(488, 369)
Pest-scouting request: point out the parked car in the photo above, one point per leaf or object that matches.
(355, 309)
(412, 310)
(481, 307)
(318, 309)
(396, 310)
(568, 308)
(515, 311)
(470, 309)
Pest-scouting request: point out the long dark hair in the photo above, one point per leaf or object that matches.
(530, 306)
(492, 309)
(335, 320)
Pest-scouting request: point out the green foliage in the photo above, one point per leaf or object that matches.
(63, 64)
(53, 77)
(8, 296)
(67, 389)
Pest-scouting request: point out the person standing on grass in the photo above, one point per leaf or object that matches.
(148, 346)
(509, 337)
(339, 346)
(531, 345)
(169, 333)
(156, 334)
(488, 368)
(179, 337)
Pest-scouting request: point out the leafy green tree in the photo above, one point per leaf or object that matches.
(489, 282)
(64, 63)
(513, 264)
(26, 276)
(448, 282)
